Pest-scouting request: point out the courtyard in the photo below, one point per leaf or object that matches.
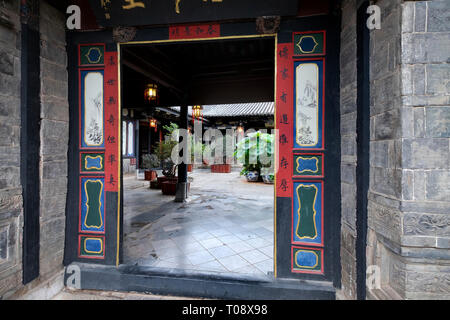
(225, 226)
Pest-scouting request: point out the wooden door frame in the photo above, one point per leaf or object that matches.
(150, 42)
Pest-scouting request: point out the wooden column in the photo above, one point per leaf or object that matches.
(181, 194)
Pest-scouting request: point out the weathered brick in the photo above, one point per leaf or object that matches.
(386, 181)
(438, 122)
(9, 177)
(425, 153)
(438, 16)
(408, 16)
(10, 107)
(438, 78)
(3, 243)
(348, 194)
(54, 88)
(419, 122)
(10, 85)
(419, 79)
(420, 185)
(6, 63)
(388, 125)
(348, 124)
(52, 71)
(379, 154)
(54, 137)
(348, 173)
(421, 47)
(420, 17)
(54, 109)
(438, 185)
(408, 185)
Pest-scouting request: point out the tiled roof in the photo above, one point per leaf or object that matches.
(235, 110)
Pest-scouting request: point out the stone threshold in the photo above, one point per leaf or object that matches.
(176, 282)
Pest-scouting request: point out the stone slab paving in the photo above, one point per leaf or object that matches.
(226, 226)
(68, 294)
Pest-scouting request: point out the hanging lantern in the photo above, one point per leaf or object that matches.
(197, 113)
(151, 93)
(153, 123)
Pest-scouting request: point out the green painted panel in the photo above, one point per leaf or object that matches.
(306, 44)
(306, 227)
(92, 55)
(94, 190)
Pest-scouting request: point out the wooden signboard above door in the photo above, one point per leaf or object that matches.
(146, 12)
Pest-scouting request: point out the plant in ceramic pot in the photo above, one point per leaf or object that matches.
(222, 161)
(151, 163)
(255, 152)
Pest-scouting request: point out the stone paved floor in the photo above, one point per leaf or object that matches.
(225, 227)
(68, 294)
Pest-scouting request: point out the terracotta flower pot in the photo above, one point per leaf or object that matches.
(169, 188)
(163, 179)
(221, 168)
(150, 175)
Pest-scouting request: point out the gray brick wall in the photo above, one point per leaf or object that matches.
(409, 192)
(11, 220)
(54, 138)
(386, 176)
(53, 154)
(425, 231)
(409, 186)
(348, 148)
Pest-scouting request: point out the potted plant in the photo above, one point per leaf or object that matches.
(222, 163)
(150, 162)
(195, 147)
(169, 182)
(163, 150)
(255, 152)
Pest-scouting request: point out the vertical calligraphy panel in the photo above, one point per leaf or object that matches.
(112, 124)
(284, 119)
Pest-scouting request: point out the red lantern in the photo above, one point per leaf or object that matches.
(153, 124)
(197, 113)
(151, 93)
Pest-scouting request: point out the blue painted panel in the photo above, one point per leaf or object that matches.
(93, 245)
(306, 259)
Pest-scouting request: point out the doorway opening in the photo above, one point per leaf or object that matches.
(226, 224)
